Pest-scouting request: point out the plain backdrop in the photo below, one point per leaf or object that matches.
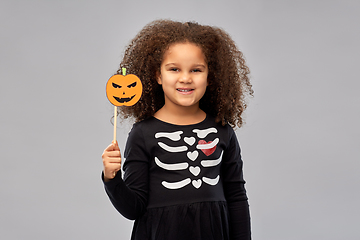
(300, 144)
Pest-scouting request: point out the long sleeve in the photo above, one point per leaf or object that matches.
(235, 192)
(129, 196)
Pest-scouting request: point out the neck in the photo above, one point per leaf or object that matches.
(181, 115)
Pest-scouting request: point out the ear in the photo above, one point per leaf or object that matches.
(158, 78)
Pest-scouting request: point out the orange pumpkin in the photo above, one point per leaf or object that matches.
(124, 90)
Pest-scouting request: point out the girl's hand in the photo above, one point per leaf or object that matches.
(111, 161)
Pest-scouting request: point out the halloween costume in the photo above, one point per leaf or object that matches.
(182, 182)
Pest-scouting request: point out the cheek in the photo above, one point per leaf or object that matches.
(203, 82)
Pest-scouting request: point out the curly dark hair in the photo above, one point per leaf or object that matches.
(228, 76)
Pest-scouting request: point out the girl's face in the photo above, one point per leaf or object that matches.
(183, 75)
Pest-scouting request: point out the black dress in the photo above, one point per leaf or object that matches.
(182, 182)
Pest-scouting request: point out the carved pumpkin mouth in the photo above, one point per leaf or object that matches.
(124, 100)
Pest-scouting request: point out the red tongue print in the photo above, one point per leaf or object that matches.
(209, 151)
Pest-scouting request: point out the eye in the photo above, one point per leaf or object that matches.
(174, 69)
(132, 85)
(196, 70)
(115, 85)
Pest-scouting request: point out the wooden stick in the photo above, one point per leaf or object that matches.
(115, 121)
(115, 111)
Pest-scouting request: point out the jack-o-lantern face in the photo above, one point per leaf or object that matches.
(124, 90)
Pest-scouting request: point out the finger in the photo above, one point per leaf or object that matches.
(108, 157)
(111, 167)
(113, 160)
(111, 151)
(112, 154)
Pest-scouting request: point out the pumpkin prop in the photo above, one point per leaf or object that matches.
(123, 90)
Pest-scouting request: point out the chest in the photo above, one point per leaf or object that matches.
(186, 157)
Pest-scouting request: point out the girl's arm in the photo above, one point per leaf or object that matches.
(235, 192)
(129, 196)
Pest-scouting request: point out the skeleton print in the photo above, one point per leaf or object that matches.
(193, 148)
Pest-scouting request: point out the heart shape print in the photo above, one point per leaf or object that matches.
(196, 183)
(189, 140)
(208, 151)
(194, 170)
(192, 155)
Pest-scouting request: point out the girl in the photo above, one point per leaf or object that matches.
(183, 170)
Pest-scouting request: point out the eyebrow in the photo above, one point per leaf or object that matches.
(197, 65)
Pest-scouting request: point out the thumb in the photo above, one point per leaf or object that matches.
(112, 147)
(116, 145)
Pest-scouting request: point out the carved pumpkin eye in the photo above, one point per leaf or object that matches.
(124, 90)
(132, 85)
(115, 85)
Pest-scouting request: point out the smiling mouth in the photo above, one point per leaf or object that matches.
(184, 89)
(123, 100)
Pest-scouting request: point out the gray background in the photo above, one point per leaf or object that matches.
(300, 144)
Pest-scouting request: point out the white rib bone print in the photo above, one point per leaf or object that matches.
(191, 155)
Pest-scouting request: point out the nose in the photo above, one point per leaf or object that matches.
(185, 78)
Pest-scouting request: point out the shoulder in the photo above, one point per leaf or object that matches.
(226, 129)
(143, 125)
(225, 133)
(229, 136)
(137, 138)
(145, 129)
